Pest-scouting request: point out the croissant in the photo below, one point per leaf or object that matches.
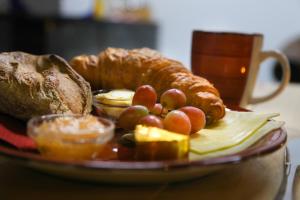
(117, 68)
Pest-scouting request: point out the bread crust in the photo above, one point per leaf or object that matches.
(36, 85)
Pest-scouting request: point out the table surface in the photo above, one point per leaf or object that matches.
(287, 104)
(260, 178)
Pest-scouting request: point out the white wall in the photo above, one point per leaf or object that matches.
(278, 20)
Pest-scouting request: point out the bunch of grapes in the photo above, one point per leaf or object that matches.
(171, 113)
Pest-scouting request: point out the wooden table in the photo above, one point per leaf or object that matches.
(260, 178)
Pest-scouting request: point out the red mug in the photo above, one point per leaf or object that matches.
(231, 62)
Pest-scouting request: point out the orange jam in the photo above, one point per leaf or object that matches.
(73, 138)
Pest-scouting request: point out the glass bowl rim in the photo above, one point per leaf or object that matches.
(109, 125)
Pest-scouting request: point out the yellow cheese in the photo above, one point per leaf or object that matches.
(257, 135)
(234, 129)
(157, 144)
(116, 97)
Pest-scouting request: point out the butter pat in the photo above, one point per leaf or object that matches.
(113, 103)
(157, 144)
(116, 97)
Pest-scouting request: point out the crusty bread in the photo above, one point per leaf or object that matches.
(36, 85)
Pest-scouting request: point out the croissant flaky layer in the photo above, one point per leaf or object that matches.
(117, 68)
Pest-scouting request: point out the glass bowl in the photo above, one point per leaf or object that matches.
(111, 108)
(69, 137)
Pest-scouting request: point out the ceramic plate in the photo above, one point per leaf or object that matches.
(141, 172)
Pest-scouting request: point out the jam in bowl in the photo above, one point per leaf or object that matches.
(71, 137)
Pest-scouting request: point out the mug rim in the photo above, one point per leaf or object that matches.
(236, 33)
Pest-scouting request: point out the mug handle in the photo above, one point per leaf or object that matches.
(284, 63)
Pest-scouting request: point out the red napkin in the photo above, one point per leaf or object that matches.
(13, 132)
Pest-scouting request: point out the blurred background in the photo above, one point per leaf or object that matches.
(72, 27)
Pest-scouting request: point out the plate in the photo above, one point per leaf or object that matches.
(121, 172)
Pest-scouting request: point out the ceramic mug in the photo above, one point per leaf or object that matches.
(231, 62)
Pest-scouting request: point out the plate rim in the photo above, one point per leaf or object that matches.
(276, 143)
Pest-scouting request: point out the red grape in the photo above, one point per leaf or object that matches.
(177, 121)
(173, 99)
(145, 95)
(131, 115)
(151, 120)
(196, 116)
(158, 110)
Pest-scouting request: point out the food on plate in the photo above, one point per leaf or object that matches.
(178, 122)
(254, 137)
(33, 85)
(186, 120)
(196, 116)
(158, 110)
(164, 113)
(71, 137)
(145, 95)
(233, 130)
(115, 97)
(151, 120)
(117, 68)
(153, 143)
(112, 103)
(173, 99)
(130, 117)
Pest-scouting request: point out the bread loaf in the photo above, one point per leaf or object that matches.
(33, 85)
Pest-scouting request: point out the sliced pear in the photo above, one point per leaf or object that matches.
(158, 144)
